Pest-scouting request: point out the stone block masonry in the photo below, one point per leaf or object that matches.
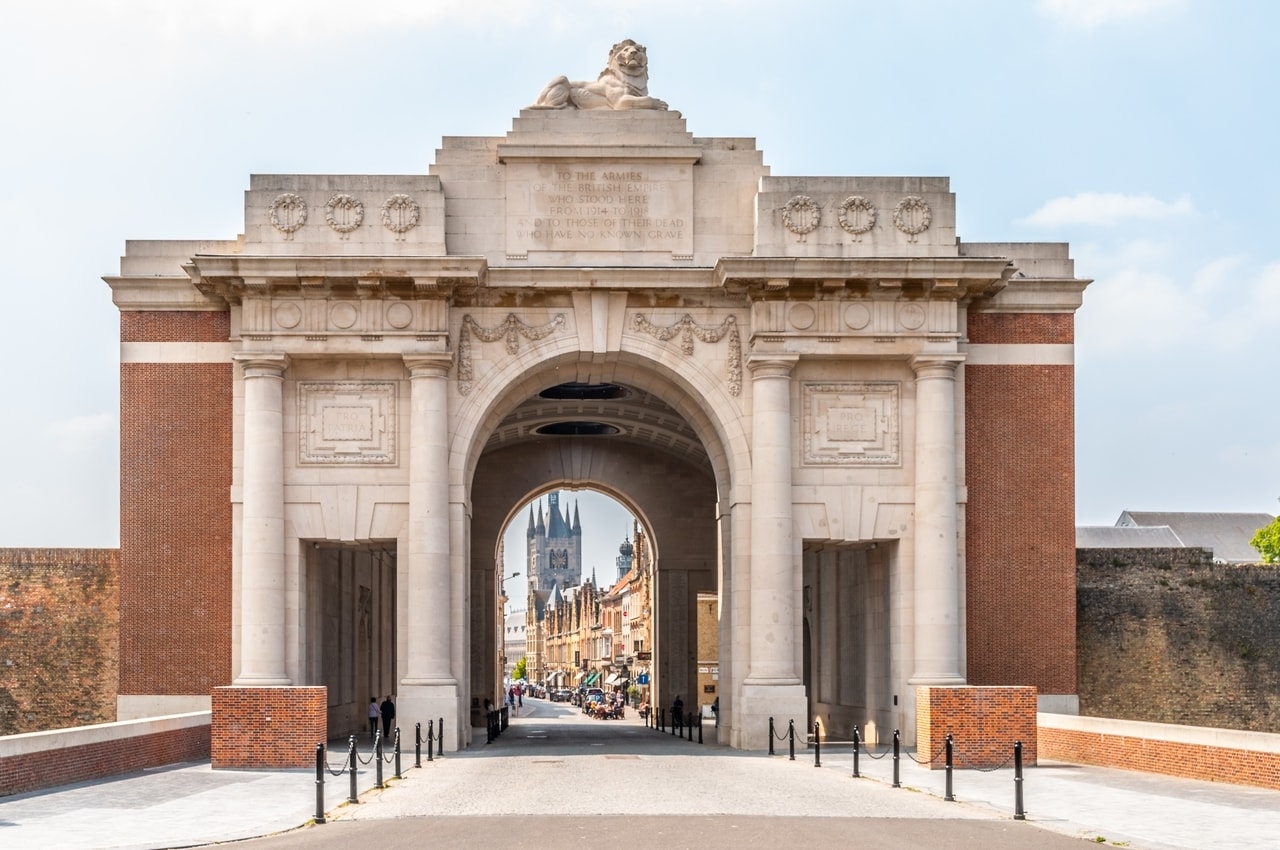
(59, 649)
(984, 724)
(267, 727)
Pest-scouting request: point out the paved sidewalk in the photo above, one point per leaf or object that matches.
(556, 762)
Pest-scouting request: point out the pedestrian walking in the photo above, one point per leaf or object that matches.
(388, 712)
(374, 714)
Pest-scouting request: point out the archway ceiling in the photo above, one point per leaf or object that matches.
(640, 417)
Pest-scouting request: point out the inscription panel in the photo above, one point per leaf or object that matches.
(589, 206)
(854, 424)
(347, 422)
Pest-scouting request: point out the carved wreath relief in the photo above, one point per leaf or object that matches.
(344, 214)
(852, 424)
(342, 423)
(856, 216)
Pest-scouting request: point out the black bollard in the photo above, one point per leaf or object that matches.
(1018, 812)
(377, 756)
(791, 738)
(950, 794)
(353, 760)
(688, 729)
(699, 729)
(440, 739)
(662, 720)
(770, 736)
(417, 745)
(855, 752)
(817, 744)
(319, 783)
(431, 739)
(397, 752)
(488, 727)
(896, 742)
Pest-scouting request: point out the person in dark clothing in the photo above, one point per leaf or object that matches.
(677, 712)
(388, 714)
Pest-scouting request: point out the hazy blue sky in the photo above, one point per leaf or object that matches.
(1143, 132)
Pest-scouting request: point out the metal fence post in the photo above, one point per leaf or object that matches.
(699, 728)
(431, 739)
(817, 744)
(353, 758)
(440, 739)
(1018, 812)
(397, 752)
(377, 756)
(770, 736)
(896, 742)
(855, 752)
(791, 738)
(319, 783)
(950, 793)
(417, 745)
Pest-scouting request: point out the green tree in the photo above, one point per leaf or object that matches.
(1267, 542)
(520, 669)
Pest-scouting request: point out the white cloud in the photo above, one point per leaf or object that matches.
(1087, 14)
(1105, 209)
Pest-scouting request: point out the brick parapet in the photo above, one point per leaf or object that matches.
(275, 727)
(44, 760)
(1021, 328)
(984, 724)
(1165, 749)
(174, 326)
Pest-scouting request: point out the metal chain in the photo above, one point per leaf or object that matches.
(873, 755)
(340, 771)
(930, 760)
(971, 766)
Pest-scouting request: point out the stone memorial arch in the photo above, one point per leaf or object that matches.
(854, 427)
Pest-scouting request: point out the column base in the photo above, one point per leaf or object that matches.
(419, 703)
(757, 703)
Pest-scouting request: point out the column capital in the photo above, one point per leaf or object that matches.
(772, 365)
(936, 365)
(262, 364)
(433, 365)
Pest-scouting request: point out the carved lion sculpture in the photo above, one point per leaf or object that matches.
(623, 84)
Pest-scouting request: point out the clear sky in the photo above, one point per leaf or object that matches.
(1143, 132)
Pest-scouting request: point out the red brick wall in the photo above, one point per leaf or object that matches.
(175, 511)
(984, 723)
(1190, 761)
(267, 727)
(1020, 517)
(64, 765)
(58, 630)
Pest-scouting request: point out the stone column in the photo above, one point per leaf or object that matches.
(262, 603)
(429, 599)
(772, 687)
(429, 689)
(937, 568)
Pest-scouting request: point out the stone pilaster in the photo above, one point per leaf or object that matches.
(262, 597)
(937, 555)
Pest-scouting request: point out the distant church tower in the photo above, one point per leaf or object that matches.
(554, 547)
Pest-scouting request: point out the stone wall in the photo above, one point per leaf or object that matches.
(1167, 636)
(59, 649)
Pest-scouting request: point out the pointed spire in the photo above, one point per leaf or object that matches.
(529, 533)
(577, 523)
(541, 527)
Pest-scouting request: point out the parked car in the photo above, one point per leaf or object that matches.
(561, 695)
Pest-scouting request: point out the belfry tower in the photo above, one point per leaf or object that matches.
(554, 547)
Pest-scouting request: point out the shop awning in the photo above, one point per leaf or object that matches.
(612, 680)
(591, 680)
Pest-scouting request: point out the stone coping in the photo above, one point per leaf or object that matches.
(1206, 736)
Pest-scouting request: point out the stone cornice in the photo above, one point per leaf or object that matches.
(686, 154)
(953, 278)
(1039, 295)
(233, 278)
(159, 293)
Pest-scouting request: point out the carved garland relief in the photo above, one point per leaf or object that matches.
(344, 423)
(852, 424)
(344, 214)
(688, 330)
(511, 330)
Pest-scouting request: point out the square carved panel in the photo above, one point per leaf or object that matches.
(347, 422)
(852, 424)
